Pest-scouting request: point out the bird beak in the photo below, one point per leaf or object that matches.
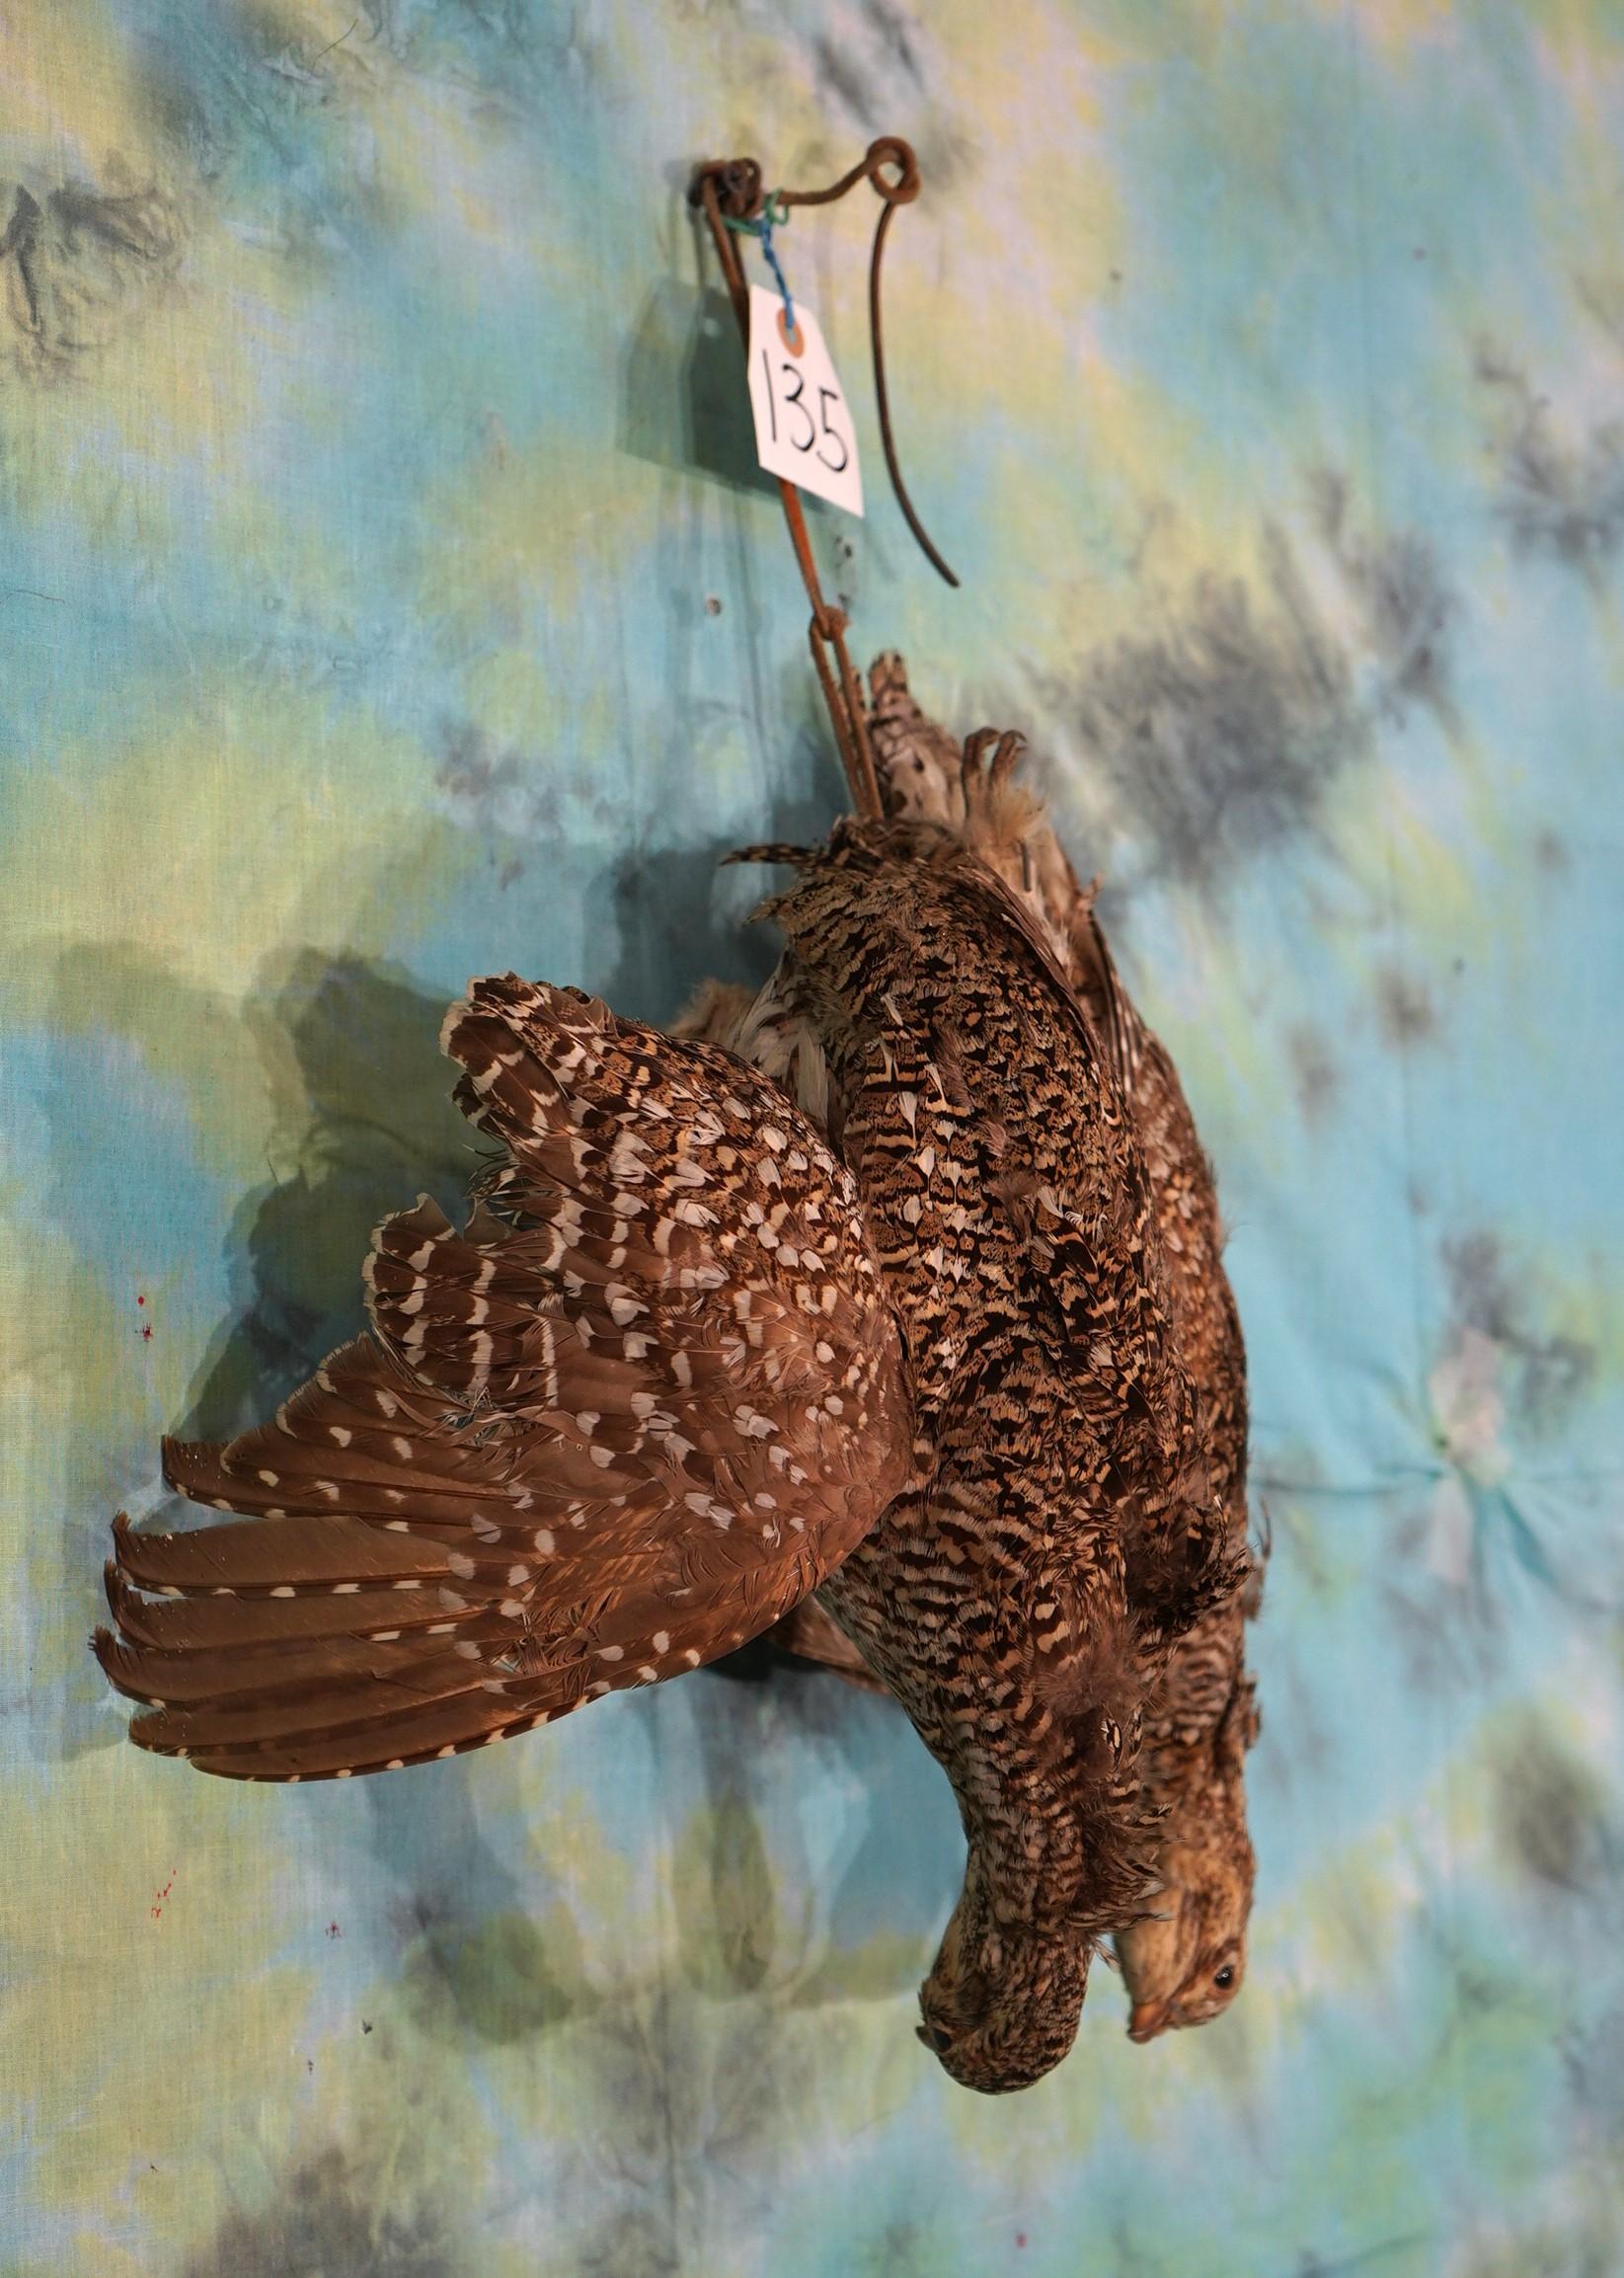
(1148, 2020)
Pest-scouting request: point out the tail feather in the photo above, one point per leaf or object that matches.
(324, 1553)
(300, 1673)
(395, 1736)
(175, 1622)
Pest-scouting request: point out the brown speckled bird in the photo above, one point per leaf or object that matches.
(688, 1359)
(1065, 1529)
(1184, 1960)
(646, 1397)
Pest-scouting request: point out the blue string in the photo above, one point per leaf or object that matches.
(774, 264)
(763, 229)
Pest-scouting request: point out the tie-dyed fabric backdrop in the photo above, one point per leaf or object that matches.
(385, 596)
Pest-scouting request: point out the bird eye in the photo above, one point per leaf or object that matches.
(1225, 1978)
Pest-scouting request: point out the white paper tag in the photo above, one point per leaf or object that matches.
(803, 428)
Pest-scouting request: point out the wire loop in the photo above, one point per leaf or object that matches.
(730, 194)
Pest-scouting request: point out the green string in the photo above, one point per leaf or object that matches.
(762, 227)
(766, 220)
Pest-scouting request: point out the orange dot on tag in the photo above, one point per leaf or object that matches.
(794, 341)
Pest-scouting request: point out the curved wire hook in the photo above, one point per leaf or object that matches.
(889, 166)
(882, 399)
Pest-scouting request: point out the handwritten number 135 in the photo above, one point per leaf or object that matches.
(815, 429)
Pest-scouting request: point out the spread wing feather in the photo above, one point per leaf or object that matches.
(638, 1406)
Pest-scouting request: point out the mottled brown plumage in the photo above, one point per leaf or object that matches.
(1184, 1960)
(1064, 1529)
(683, 1363)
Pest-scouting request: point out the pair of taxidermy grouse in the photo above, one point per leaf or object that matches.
(899, 1282)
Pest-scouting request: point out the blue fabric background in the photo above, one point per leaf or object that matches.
(384, 597)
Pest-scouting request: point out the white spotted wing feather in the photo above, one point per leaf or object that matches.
(647, 1398)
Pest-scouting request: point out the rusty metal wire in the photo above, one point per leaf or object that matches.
(731, 191)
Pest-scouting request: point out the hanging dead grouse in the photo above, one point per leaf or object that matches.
(1185, 1957)
(688, 1359)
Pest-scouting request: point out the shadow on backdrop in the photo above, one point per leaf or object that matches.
(363, 1123)
(360, 1122)
(683, 398)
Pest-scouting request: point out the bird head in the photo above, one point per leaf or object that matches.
(1183, 1962)
(1001, 2005)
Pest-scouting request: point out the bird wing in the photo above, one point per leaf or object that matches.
(635, 1410)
